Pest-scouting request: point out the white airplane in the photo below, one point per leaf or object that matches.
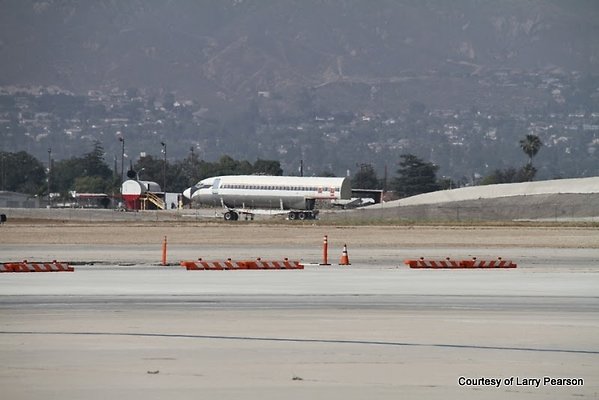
(247, 194)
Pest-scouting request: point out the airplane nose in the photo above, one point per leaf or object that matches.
(187, 193)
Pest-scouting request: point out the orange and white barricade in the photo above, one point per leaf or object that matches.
(201, 265)
(454, 264)
(26, 266)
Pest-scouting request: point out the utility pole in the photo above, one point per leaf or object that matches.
(385, 180)
(164, 167)
(3, 176)
(49, 175)
(122, 140)
(115, 170)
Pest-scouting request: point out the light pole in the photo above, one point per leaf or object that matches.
(164, 167)
(49, 175)
(2, 164)
(122, 140)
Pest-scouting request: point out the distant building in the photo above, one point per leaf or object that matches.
(18, 200)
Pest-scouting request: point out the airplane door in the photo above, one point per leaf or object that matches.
(215, 186)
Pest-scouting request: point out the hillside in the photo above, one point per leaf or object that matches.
(335, 83)
(223, 52)
(553, 200)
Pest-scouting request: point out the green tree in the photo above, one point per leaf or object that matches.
(151, 168)
(191, 168)
(226, 165)
(327, 173)
(510, 175)
(527, 173)
(531, 145)
(365, 178)
(91, 184)
(64, 173)
(182, 174)
(176, 178)
(500, 176)
(267, 167)
(446, 184)
(415, 177)
(23, 173)
(92, 164)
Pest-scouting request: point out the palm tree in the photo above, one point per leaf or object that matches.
(531, 146)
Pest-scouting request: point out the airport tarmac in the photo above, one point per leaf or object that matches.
(376, 329)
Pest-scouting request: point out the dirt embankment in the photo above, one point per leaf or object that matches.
(288, 234)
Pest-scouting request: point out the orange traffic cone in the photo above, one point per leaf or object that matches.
(344, 257)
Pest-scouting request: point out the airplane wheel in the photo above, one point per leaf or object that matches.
(301, 216)
(291, 216)
(235, 216)
(229, 216)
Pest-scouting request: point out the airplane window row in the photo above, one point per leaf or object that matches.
(276, 187)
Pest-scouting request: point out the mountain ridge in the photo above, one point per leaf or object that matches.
(334, 83)
(224, 52)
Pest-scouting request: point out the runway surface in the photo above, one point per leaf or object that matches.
(366, 331)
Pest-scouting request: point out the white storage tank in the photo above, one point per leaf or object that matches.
(132, 190)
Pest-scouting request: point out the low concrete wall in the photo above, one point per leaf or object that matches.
(102, 215)
(552, 207)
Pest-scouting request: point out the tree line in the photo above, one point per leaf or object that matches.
(21, 172)
(416, 176)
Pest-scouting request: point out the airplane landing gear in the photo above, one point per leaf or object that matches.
(301, 215)
(231, 216)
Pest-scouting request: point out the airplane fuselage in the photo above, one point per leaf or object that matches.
(268, 192)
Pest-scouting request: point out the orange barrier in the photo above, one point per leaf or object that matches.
(285, 264)
(499, 263)
(25, 266)
(449, 263)
(325, 251)
(202, 265)
(212, 265)
(164, 251)
(422, 263)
